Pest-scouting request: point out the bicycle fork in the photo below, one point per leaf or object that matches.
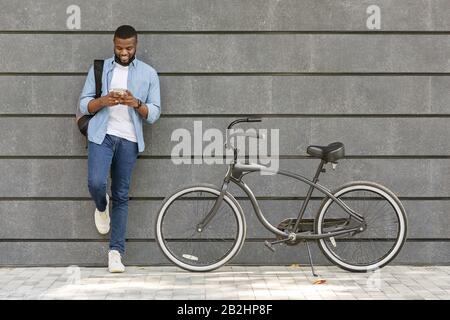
(214, 209)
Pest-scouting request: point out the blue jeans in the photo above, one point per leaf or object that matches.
(118, 155)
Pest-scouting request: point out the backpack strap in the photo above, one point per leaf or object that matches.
(98, 72)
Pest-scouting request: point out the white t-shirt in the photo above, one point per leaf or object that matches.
(120, 123)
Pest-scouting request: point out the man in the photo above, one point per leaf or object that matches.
(115, 134)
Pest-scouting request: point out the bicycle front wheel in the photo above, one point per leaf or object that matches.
(182, 242)
(385, 231)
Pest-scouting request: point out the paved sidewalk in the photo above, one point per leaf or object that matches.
(229, 282)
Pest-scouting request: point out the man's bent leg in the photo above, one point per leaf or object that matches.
(121, 170)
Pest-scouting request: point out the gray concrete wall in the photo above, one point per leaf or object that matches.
(311, 68)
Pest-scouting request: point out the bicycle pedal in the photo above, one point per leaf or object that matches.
(269, 246)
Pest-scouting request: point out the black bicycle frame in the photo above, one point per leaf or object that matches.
(237, 170)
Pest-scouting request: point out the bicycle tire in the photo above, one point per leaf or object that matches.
(400, 238)
(188, 261)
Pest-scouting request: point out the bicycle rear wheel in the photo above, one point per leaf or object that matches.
(379, 243)
(177, 229)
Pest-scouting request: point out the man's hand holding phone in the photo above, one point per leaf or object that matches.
(114, 97)
(129, 100)
(120, 96)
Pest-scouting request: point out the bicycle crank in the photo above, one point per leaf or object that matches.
(290, 238)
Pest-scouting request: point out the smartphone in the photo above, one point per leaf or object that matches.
(119, 91)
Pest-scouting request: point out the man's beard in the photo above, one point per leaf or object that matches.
(117, 59)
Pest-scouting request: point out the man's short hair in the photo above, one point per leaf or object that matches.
(125, 32)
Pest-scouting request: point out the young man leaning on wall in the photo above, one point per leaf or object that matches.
(130, 94)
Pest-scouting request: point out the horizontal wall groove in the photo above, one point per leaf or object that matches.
(254, 240)
(72, 198)
(239, 198)
(243, 74)
(305, 115)
(236, 115)
(233, 32)
(42, 74)
(281, 157)
(40, 115)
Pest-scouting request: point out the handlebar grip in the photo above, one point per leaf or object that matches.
(254, 119)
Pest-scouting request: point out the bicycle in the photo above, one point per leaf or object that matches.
(202, 227)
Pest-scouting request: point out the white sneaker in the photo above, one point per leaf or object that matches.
(114, 262)
(102, 220)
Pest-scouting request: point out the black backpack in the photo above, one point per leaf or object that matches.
(81, 119)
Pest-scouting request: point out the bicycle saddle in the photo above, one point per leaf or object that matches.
(330, 153)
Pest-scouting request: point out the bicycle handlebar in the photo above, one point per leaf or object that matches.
(243, 120)
(248, 134)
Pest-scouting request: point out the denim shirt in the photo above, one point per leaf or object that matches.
(143, 83)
